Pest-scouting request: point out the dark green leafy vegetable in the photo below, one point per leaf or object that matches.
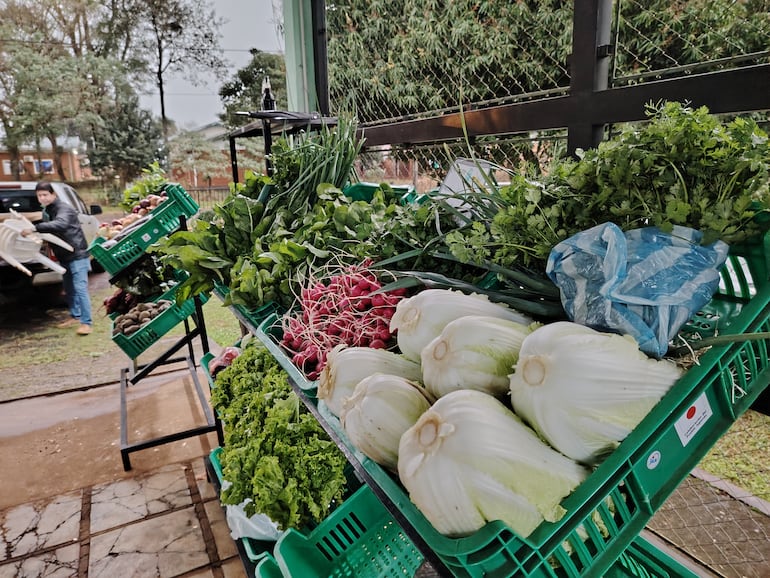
(145, 278)
(210, 249)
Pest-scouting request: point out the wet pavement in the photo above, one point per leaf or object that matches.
(69, 509)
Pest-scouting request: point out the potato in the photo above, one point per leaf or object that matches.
(131, 329)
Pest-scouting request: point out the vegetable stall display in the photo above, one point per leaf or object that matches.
(528, 444)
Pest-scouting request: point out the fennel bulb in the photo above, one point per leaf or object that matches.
(380, 410)
(469, 460)
(346, 366)
(584, 390)
(418, 320)
(473, 352)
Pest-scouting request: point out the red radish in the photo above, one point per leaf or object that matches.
(340, 310)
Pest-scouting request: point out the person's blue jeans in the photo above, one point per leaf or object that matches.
(76, 289)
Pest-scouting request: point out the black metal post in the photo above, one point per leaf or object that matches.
(320, 64)
(233, 160)
(589, 65)
(268, 103)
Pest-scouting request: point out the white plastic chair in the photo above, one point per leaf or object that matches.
(17, 249)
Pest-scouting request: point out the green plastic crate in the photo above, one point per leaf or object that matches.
(216, 464)
(269, 332)
(606, 513)
(744, 273)
(643, 560)
(164, 219)
(268, 568)
(136, 343)
(205, 360)
(640, 560)
(359, 538)
(253, 317)
(365, 191)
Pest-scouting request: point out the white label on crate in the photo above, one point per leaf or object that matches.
(693, 419)
(653, 460)
(146, 237)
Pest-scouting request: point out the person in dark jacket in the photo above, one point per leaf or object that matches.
(62, 220)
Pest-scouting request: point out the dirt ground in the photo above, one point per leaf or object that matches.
(28, 324)
(60, 421)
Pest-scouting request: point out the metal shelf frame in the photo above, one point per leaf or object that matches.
(130, 376)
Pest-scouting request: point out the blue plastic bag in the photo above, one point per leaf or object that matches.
(644, 282)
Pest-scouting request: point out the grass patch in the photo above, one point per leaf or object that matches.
(41, 342)
(221, 325)
(740, 456)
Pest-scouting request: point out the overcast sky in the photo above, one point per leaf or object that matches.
(248, 24)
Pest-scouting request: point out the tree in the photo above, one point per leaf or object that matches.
(95, 51)
(244, 91)
(191, 153)
(126, 140)
(179, 36)
(47, 92)
(54, 81)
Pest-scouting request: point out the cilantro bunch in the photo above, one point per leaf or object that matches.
(276, 454)
(683, 167)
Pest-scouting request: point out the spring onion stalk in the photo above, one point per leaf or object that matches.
(583, 390)
(473, 352)
(380, 410)
(346, 366)
(469, 460)
(418, 320)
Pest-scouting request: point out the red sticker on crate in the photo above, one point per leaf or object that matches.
(693, 419)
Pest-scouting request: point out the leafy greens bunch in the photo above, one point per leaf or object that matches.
(683, 167)
(276, 454)
(311, 160)
(295, 247)
(152, 181)
(208, 250)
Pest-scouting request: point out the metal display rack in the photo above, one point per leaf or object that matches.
(131, 376)
(274, 122)
(136, 372)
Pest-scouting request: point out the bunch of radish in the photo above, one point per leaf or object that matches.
(121, 301)
(343, 309)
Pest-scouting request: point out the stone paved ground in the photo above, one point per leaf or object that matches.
(165, 523)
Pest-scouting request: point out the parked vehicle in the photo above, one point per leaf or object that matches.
(20, 196)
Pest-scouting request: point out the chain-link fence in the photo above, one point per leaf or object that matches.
(399, 60)
(402, 60)
(656, 39)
